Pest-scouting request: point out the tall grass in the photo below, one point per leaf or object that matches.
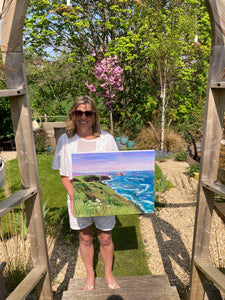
(173, 141)
(15, 250)
(13, 236)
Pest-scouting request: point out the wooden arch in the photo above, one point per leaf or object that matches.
(12, 20)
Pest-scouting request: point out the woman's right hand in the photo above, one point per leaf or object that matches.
(68, 185)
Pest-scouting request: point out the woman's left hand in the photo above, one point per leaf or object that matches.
(71, 205)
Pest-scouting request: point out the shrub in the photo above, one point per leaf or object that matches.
(193, 169)
(158, 172)
(146, 140)
(173, 141)
(181, 155)
(41, 140)
(161, 185)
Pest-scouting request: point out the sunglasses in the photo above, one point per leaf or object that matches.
(79, 113)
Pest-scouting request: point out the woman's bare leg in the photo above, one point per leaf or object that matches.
(87, 254)
(106, 250)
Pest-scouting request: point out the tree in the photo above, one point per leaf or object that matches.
(53, 85)
(79, 29)
(152, 40)
(108, 72)
(162, 40)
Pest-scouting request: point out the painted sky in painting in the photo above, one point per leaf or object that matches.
(106, 162)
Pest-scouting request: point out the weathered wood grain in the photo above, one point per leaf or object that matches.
(213, 129)
(131, 287)
(28, 284)
(12, 21)
(16, 199)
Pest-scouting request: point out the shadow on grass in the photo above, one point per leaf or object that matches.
(125, 238)
(129, 258)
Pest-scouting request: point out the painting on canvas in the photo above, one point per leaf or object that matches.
(113, 183)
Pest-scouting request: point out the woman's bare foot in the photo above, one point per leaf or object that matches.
(112, 284)
(89, 284)
(88, 287)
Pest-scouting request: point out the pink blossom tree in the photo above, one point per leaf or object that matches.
(108, 72)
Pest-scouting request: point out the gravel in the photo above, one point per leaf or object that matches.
(168, 233)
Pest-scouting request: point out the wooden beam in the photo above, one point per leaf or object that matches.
(216, 13)
(220, 209)
(16, 199)
(211, 272)
(28, 284)
(217, 84)
(216, 187)
(12, 92)
(12, 22)
(1, 6)
(213, 129)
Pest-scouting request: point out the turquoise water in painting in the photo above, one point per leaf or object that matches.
(136, 186)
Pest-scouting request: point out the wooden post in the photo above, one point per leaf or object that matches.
(11, 46)
(213, 128)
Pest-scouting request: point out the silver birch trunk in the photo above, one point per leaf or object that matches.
(163, 96)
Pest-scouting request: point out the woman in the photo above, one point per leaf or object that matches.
(83, 134)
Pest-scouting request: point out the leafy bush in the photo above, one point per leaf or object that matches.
(173, 141)
(158, 172)
(161, 185)
(181, 155)
(41, 140)
(193, 169)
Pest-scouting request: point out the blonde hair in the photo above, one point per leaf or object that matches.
(71, 128)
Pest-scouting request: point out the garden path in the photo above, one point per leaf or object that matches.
(168, 234)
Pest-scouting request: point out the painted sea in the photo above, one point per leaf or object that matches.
(136, 186)
(120, 182)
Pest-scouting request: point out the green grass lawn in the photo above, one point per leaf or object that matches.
(129, 256)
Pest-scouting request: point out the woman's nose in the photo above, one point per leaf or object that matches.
(83, 116)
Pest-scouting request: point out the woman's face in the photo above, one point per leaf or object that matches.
(84, 121)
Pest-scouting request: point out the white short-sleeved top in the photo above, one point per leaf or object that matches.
(63, 162)
(67, 146)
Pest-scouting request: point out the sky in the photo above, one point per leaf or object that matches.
(106, 162)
